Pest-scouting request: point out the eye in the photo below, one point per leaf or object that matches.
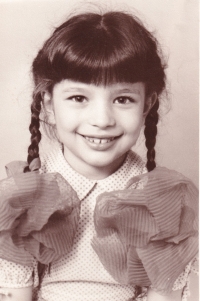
(124, 100)
(78, 98)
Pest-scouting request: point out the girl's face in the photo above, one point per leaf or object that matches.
(97, 124)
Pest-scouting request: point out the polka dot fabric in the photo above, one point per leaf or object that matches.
(182, 282)
(79, 275)
(16, 275)
(13, 275)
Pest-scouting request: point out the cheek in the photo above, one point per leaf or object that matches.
(133, 123)
(65, 119)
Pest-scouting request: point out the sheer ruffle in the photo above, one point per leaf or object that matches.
(144, 236)
(38, 217)
(147, 237)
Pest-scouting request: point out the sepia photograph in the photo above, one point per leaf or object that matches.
(99, 151)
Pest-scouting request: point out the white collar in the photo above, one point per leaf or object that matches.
(56, 162)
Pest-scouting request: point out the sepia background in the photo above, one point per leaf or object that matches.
(25, 25)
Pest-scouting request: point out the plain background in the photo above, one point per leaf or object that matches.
(25, 25)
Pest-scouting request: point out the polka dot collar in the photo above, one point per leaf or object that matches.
(132, 166)
(56, 162)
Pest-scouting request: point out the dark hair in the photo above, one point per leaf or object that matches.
(99, 49)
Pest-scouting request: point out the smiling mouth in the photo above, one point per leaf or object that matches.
(99, 140)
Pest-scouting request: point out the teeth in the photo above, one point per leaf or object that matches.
(103, 141)
(98, 141)
(89, 139)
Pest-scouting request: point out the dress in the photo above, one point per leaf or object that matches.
(71, 276)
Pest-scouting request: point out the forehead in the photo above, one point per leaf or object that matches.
(74, 86)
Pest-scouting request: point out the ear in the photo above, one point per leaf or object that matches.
(149, 103)
(48, 107)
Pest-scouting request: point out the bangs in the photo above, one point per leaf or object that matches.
(101, 70)
(97, 49)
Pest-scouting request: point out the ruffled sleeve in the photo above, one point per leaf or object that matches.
(38, 217)
(148, 236)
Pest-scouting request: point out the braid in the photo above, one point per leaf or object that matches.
(33, 149)
(150, 132)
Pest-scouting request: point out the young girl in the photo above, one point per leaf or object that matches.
(90, 220)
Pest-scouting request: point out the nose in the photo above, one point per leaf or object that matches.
(102, 115)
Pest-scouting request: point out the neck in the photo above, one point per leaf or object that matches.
(94, 172)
